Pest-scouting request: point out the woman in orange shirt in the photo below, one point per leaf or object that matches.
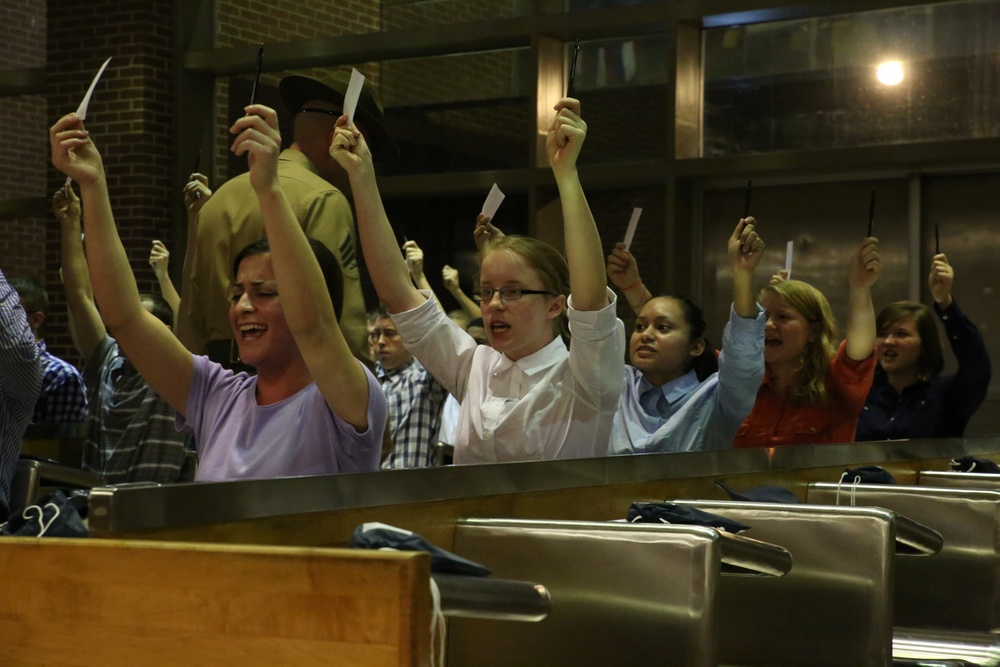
(813, 392)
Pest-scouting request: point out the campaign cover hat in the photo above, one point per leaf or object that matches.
(296, 90)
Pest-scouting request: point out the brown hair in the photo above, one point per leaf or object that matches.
(930, 363)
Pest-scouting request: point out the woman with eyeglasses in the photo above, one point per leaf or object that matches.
(527, 397)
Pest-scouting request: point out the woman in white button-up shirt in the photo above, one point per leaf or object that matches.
(527, 397)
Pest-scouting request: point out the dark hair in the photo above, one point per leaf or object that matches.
(328, 264)
(34, 297)
(160, 308)
(478, 322)
(707, 362)
(930, 363)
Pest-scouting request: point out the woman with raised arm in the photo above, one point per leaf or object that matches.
(910, 398)
(527, 397)
(813, 391)
(678, 396)
(312, 408)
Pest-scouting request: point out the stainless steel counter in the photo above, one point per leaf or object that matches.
(132, 509)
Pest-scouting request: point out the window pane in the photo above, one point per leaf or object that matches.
(824, 238)
(464, 112)
(409, 14)
(815, 83)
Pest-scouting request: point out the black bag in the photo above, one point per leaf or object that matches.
(53, 516)
(681, 514)
(766, 493)
(867, 475)
(973, 464)
(383, 536)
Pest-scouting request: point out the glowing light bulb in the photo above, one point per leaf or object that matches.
(890, 73)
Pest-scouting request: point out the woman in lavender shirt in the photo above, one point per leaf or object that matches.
(312, 408)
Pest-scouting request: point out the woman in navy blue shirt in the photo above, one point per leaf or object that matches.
(909, 397)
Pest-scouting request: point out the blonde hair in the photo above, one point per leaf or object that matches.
(546, 261)
(814, 363)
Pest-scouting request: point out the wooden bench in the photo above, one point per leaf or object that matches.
(109, 602)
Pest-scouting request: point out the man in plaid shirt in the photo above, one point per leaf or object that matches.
(64, 396)
(415, 398)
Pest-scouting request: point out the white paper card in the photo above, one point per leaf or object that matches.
(81, 110)
(632, 224)
(788, 258)
(493, 201)
(353, 94)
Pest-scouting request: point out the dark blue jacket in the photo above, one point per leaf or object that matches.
(936, 408)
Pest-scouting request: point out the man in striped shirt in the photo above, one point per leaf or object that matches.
(20, 382)
(131, 435)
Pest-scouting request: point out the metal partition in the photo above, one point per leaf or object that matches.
(959, 480)
(835, 606)
(958, 588)
(644, 591)
(183, 509)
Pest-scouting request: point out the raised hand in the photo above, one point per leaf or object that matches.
(941, 278)
(66, 206)
(485, 232)
(196, 193)
(258, 138)
(778, 277)
(565, 136)
(449, 276)
(866, 266)
(414, 259)
(623, 271)
(159, 258)
(745, 246)
(349, 147)
(73, 152)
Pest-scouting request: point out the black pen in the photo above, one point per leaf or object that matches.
(871, 214)
(256, 76)
(937, 240)
(746, 205)
(570, 87)
(197, 162)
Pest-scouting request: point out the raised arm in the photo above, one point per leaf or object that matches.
(196, 193)
(583, 243)
(88, 329)
(623, 271)
(386, 265)
(745, 250)
(147, 342)
(305, 299)
(159, 259)
(415, 265)
(449, 276)
(940, 280)
(865, 268)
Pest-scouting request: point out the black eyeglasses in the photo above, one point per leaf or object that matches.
(485, 294)
(328, 112)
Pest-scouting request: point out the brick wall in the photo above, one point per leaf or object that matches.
(243, 22)
(129, 118)
(23, 128)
